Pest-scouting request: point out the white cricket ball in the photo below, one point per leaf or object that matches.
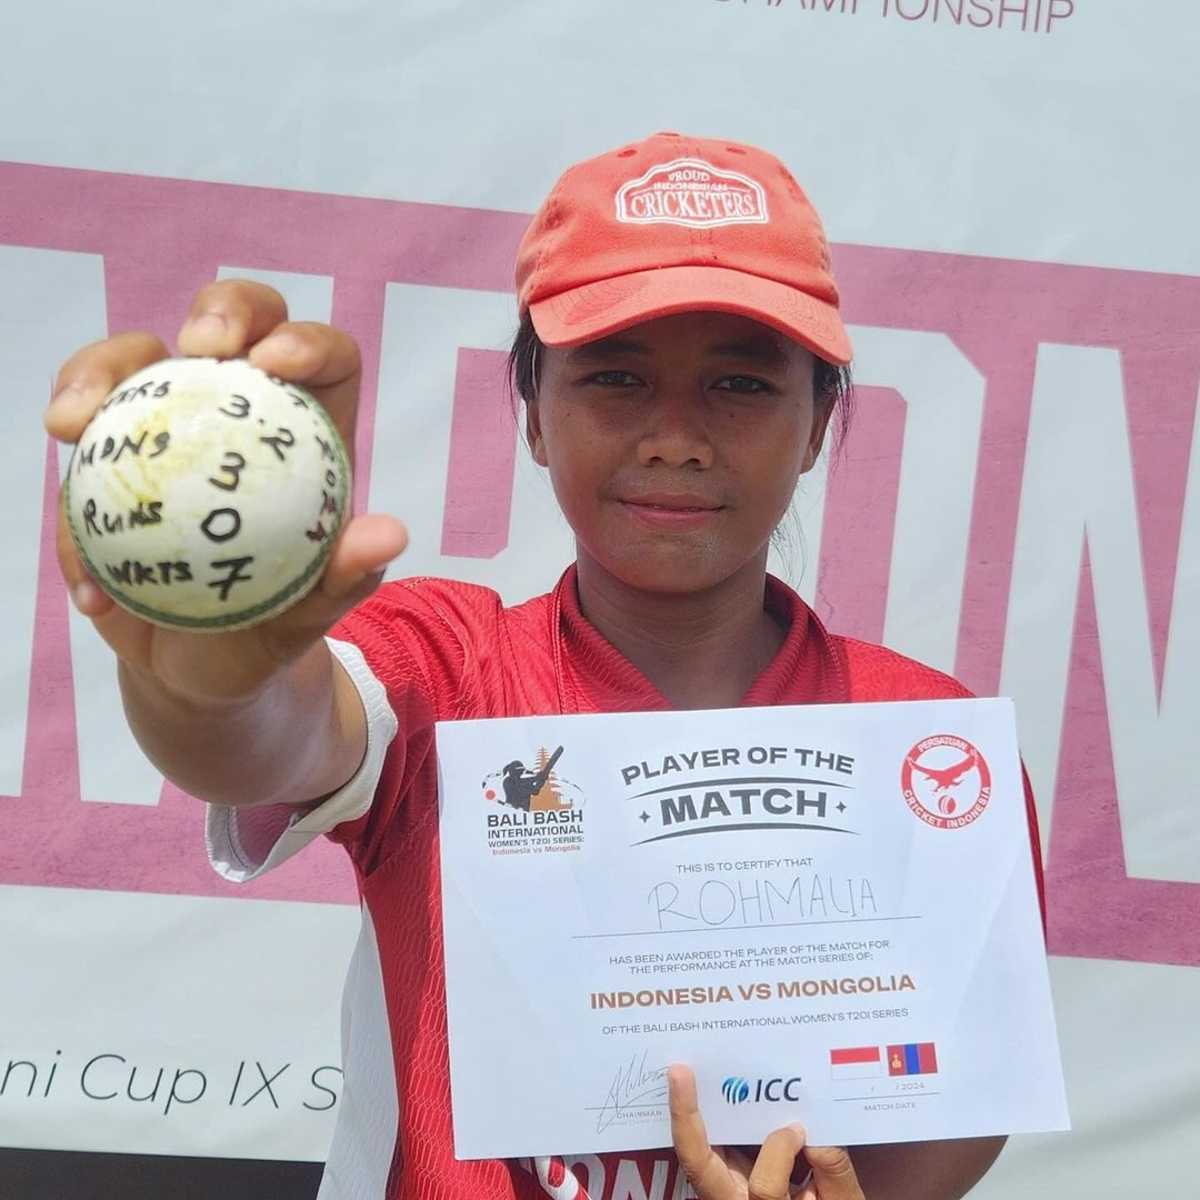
(206, 494)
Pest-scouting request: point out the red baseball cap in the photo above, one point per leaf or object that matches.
(678, 224)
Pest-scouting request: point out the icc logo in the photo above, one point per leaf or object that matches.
(737, 1090)
(946, 781)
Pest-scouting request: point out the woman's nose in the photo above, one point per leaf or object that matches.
(676, 431)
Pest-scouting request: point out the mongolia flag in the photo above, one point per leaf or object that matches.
(916, 1058)
(856, 1062)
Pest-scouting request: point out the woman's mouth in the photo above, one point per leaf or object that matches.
(670, 511)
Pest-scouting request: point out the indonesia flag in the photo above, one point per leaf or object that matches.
(856, 1062)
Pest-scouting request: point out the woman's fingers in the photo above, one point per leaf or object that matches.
(228, 319)
(86, 593)
(833, 1174)
(771, 1176)
(229, 315)
(241, 318)
(324, 360)
(236, 318)
(224, 319)
(832, 1178)
(87, 377)
(707, 1173)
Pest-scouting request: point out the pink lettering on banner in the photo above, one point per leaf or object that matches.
(483, 454)
(860, 516)
(160, 239)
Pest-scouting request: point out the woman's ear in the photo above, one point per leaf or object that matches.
(533, 433)
(822, 411)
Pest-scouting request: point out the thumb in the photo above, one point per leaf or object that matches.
(355, 568)
(359, 559)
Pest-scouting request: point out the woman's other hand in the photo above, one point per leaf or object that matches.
(727, 1173)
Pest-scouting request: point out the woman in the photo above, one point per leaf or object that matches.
(680, 357)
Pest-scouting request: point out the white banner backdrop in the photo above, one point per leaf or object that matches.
(1011, 195)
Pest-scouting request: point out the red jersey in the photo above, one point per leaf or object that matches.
(426, 650)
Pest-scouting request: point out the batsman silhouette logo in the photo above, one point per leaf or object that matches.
(533, 809)
(946, 781)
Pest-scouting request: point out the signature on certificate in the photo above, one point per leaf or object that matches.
(634, 1086)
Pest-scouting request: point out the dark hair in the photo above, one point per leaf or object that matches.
(832, 385)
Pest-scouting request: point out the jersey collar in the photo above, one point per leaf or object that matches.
(594, 676)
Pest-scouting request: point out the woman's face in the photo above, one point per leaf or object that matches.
(674, 447)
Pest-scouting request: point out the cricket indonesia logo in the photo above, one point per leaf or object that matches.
(946, 781)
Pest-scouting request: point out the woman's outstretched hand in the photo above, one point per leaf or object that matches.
(730, 1174)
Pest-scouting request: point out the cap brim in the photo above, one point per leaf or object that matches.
(607, 306)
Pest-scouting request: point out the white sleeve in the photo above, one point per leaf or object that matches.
(244, 842)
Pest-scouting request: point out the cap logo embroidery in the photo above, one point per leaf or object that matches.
(692, 192)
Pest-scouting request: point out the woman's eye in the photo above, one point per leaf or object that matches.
(614, 379)
(745, 385)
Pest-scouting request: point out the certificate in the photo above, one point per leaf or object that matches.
(828, 912)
